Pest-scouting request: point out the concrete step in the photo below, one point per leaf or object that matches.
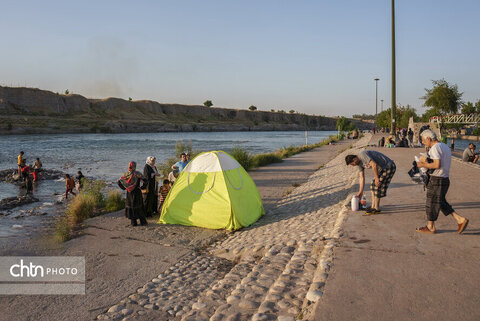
(285, 297)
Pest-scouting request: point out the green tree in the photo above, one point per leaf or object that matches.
(403, 116)
(427, 114)
(404, 113)
(443, 97)
(67, 92)
(252, 108)
(477, 106)
(291, 111)
(468, 108)
(384, 118)
(343, 124)
(208, 103)
(129, 98)
(272, 110)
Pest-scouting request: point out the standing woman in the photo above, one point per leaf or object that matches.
(131, 181)
(150, 172)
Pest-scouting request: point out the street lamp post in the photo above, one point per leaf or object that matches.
(376, 99)
(394, 103)
(382, 104)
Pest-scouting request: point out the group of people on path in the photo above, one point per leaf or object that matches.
(144, 197)
(405, 139)
(438, 165)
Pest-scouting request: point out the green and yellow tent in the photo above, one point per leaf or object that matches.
(213, 191)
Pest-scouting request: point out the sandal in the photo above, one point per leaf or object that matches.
(462, 227)
(372, 211)
(425, 230)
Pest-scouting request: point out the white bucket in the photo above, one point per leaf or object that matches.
(355, 203)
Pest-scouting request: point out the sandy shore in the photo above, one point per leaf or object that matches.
(168, 260)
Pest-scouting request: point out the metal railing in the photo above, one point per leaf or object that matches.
(456, 119)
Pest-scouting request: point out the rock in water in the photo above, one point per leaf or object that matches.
(11, 202)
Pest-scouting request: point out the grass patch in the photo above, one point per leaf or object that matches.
(88, 203)
(114, 201)
(249, 161)
(265, 159)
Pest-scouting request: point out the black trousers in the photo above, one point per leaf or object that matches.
(437, 189)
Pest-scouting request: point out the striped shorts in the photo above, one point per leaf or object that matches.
(385, 176)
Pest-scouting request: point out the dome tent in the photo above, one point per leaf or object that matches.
(213, 191)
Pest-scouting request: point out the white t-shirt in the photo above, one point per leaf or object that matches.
(442, 152)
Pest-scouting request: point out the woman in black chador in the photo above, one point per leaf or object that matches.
(131, 181)
(150, 172)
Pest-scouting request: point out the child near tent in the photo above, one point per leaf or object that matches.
(162, 194)
(69, 185)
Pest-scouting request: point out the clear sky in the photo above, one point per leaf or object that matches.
(317, 57)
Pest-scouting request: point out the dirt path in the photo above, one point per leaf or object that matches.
(121, 258)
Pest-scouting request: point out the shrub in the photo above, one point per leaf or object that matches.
(80, 208)
(476, 132)
(265, 159)
(62, 229)
(94, 189)
(180, 147)
(114, 201)
(166, 167)
(243, 157)
(83, 206)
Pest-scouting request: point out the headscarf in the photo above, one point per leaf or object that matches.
(151, 162)
(130, 179)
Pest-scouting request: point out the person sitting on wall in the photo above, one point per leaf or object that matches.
(469, 154)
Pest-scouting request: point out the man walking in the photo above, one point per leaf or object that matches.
(383, 171)
(438, 184)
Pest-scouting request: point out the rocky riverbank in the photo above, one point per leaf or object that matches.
(31, 110)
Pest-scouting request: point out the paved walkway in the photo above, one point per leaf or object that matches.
(384, 270)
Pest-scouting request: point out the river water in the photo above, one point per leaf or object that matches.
(106, 156)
